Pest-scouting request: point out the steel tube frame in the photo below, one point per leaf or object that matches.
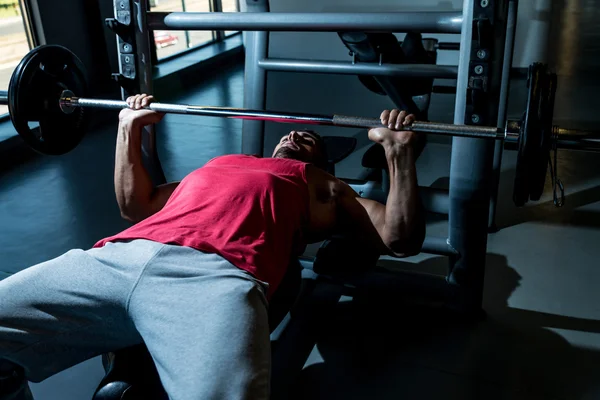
(511, 29)
(431, 245)
(576, 134)
(427, 22)
(368, 189)
(580, 144)
(470, 168)
(139, 14)
(348, 68)
(439, 246)
(434, 200)
(3, 97)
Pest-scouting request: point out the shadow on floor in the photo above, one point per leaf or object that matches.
(379, 346)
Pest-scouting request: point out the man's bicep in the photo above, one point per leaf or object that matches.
(363, 219)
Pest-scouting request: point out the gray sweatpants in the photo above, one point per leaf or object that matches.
(203, 320)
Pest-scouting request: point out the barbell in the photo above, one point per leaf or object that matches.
(45, 86)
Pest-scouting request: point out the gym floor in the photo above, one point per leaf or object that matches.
(541, 337)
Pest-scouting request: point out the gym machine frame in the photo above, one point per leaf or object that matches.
(471, 163)
(256, 15)
(45, 70)
(469, 192)
(134, 48)
(480, 66)
(479, 91)
(469, 155)
(35, 95)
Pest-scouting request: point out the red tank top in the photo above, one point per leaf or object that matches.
(249, 210)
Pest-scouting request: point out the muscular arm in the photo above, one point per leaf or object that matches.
(136, 195)
(398, 227)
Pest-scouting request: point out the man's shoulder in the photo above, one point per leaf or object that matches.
(317, 174)
(323, 180)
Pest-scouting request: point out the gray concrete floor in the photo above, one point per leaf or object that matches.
(541, 339)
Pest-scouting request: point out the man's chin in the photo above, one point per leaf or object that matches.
(287, 152)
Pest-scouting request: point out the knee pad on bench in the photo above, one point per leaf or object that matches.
(131, 375)
(13, 385)
(344, 255)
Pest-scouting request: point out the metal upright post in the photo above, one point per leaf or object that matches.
(144, 74)
(471, 162)
(511, 28)
(255, 84)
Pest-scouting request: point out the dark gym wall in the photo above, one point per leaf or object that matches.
(78, 25)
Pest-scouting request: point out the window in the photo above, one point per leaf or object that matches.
(14, 41)
(169, 43)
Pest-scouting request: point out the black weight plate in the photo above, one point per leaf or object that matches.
(34, 92)
(535, 151)
(546, 116)
(535, 135)
(529, 136)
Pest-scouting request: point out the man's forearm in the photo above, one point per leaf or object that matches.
(403, 225)
(133, 185)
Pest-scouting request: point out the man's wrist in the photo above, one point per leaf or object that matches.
(400, 157)
(129, 125)
(398, 150)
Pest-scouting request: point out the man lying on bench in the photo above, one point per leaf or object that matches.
(192, 278)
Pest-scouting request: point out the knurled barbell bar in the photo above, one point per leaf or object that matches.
(69, 103)
(43, 87)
